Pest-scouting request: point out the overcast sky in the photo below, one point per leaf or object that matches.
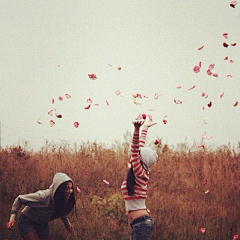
(48, 48)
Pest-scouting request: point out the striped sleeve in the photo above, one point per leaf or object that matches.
(142, 138)
(141, 176)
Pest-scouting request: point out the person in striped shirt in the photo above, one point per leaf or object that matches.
(134, 188)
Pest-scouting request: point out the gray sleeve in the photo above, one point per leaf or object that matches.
(32, 200)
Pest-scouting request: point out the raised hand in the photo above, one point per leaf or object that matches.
(138, 123)
(148, 123)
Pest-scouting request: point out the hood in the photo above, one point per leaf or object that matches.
(58, 179)
(149, 156)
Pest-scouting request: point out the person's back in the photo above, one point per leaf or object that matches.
(134, 188)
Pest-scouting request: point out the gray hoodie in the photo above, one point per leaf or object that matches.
(39, 205)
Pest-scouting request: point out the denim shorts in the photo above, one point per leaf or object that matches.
(26, 225)
(141, 228)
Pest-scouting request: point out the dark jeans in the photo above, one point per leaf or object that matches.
(141, 228)
(26, 225)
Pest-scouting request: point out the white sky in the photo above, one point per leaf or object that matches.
(48, 48)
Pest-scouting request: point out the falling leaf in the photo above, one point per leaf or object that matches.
(235, 104)
(119, 68)
(203, 94)
(207, 136)
(233, 4)
(57, 115)
(76, 124)
(144, 116)
(51, 123)
(137, 103)
(192, 87)
(156, 95)
(140, 116)
(117, 92)
(52, 100)
(233, 44)
(235, 236)
(107, 102)
(211, 66)
(207, 191)
(226, 58)
(225, 44)
(50, 112)
(215, 75)
(156, 141)
(60, 98)
(139, 95)
(209, 104)
(67, 95)
(177, 101)
(78, 190)
(87, 107)
(196, 69)
(92, 76)
(200, 48)
(202, 230)
(164, 121)
(150, 117)
(209, 72)
(89, 100)
(225, 35)
(229, 75)
(221, 95)
(39, 122)
(105, 181)
(178, 87)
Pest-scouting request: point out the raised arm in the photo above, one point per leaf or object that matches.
(137, 167)
(135, 140)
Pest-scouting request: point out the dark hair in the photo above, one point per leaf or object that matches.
(131, 178)
(61, 206)
(130, 181)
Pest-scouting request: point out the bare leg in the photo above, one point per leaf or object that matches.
(31, 236)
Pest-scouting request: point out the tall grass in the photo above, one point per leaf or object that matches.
(189, 188)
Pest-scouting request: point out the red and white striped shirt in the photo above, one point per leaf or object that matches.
(141, 175)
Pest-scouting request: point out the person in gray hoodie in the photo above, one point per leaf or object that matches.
(43, 206)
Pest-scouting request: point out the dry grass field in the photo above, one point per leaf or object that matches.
(189, 188)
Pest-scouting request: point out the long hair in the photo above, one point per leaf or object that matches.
(130, 181)
(131, 178)
(61, 206)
